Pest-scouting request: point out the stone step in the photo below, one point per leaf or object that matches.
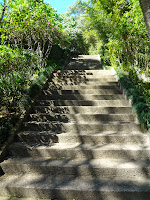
(102, 103)
(82, 87)
(108, 80)
(84, 82)
(49, 138)
(80, 151)
(83, 91)
(19, 198)
(43, 186)
(81, 117)
(79, 79)
(58, 127)
(82, 110)
(84, 72)
(88, 72)
(83, 66)
(104, 138)
(47, 96)
(80, 141)
(94, 168)
(36, 138)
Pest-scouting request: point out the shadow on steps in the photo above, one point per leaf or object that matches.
(84, 62)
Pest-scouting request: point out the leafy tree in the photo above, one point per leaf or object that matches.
(77, 8)
(31, 25)
(145, 5)
(72, 25)
(3, 7)
(117, 30)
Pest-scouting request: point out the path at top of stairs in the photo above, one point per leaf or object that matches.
(81, 140)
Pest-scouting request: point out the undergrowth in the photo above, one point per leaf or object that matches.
(14, 104)
(139, 93)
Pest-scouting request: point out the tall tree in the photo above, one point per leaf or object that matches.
(145, 5)
(3, 9)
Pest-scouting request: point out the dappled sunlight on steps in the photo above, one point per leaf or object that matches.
(81, 140)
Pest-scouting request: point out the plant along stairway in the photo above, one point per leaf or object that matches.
(81, 141)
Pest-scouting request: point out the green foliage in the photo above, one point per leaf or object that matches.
(141, 103)
(77, 8)
(32, 25)
(72, 25)
(29, 30)
(18, 88)
(37, 84)
(17, 68)
(117, 31)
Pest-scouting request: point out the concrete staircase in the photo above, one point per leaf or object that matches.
(81, 141)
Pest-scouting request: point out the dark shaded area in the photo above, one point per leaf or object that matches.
(84, 63)
(58, 55)
(1, 172)
(10, 120)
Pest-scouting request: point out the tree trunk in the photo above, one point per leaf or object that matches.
(145, 5)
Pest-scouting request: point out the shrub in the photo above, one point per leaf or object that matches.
(16, 70)
(140, 100)
(21, 78)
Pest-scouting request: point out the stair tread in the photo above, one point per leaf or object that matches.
(81, 117)
(92, 163)
(95, 147)
(113, 100)
(99, 71)
(95, 106)
(84, 81)
(89, 95)
(113, 103)
(19, 198)
(77, 184)
(103, 133)
(85, 87)
(79, 146)
(84, 123)
(82, 109)
(94, 154)
(82, 114)
(81, 90)
(82, 97)
(109, 146)
(91, 78)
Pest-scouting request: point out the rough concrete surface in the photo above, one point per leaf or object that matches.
(81, 140)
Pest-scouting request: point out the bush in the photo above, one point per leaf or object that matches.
(17, 68)
(140, 100)
(21, 79)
